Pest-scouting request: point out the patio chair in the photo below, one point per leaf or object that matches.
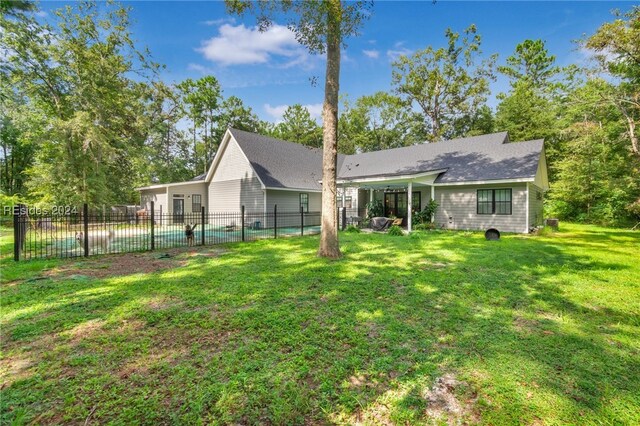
(380, 223)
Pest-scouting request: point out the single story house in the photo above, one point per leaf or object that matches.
(479, 182)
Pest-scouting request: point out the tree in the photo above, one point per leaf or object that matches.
(234, 113)
(321, 26)
(381, 121)
(531, 109)
(447, 84)
(167, 149)
(201, 99)
(531, 64)
(77, 77)
(298, 126)
(617, 47)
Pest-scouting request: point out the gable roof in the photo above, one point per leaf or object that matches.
(288, 165)
(281, 164)
(472, 159)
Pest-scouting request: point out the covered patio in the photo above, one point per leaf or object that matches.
(399, 194)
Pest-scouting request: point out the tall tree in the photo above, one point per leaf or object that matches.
(617, 47)
(322, 26)
(381, 121)
(298, 126)
(447, 84)
(202, 99)
(78, 76)
(531, 108)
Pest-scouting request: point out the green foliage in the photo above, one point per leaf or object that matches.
(298, 126)
(395, 231)
(352, 229)
(379, 121)
(427, 213)
(244, 337)
(424, 226)
(448, 84)
(374, 209)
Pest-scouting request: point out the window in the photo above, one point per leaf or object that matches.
(304, 202)
(416, 201)
(494, 201)
(196, 203)
(348, 201)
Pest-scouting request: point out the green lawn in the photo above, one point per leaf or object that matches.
(441, 325)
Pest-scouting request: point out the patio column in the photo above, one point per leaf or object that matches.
(433, 197)
(344, 197)
(371, 195)
(409, 197)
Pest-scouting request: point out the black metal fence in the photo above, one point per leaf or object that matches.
(89, 232)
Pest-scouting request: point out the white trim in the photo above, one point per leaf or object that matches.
(167, 185)
(526, 214)
(390, 178)
(485, 182)
(433, 197)
(216, 159)
(409, 196)
(293, 189)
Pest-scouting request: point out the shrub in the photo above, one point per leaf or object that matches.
(396, 231)
(374, 209)
(427, 226)
(352, 229)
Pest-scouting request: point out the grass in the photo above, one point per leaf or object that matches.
(433, 327)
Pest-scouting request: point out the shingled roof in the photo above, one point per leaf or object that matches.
(478, 158)
(281, 164)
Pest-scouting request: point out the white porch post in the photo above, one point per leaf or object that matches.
(433, 197)
(344, 197)
(409, 197)
(526, 228)
(371, 195)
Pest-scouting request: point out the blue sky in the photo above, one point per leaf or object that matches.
(268, 71)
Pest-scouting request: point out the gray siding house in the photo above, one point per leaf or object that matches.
(479, 182)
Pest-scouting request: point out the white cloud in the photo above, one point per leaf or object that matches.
(41, 14)
(276, 111)
(237, 45)
(216, 22)
(199, 68)
(397, 51)
(373, 54)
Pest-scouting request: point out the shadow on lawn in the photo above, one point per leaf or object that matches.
(270, 333)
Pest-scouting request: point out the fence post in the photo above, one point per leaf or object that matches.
(301, 220)
(17, 235)
(242, 221)
(202, 224)
(153, 227)
(275, 221)
(85, 214)
(344, 218)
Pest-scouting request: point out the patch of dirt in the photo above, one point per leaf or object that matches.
(443, 404)
(12, 369)
(425, 264)
(85, 329)
(116, 265)
(525, 325)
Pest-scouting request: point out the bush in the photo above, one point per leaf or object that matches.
(395, 231)
(374, 209)
(427, 226)
(352, 229)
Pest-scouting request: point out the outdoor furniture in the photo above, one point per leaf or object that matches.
(492, 234)
(380, 223)
(354, 220)
(397, 222)
(230, 227)
(255, 225)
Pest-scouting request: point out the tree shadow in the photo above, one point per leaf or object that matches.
(269, 333)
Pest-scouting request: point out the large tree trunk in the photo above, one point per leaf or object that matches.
(329, 245)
